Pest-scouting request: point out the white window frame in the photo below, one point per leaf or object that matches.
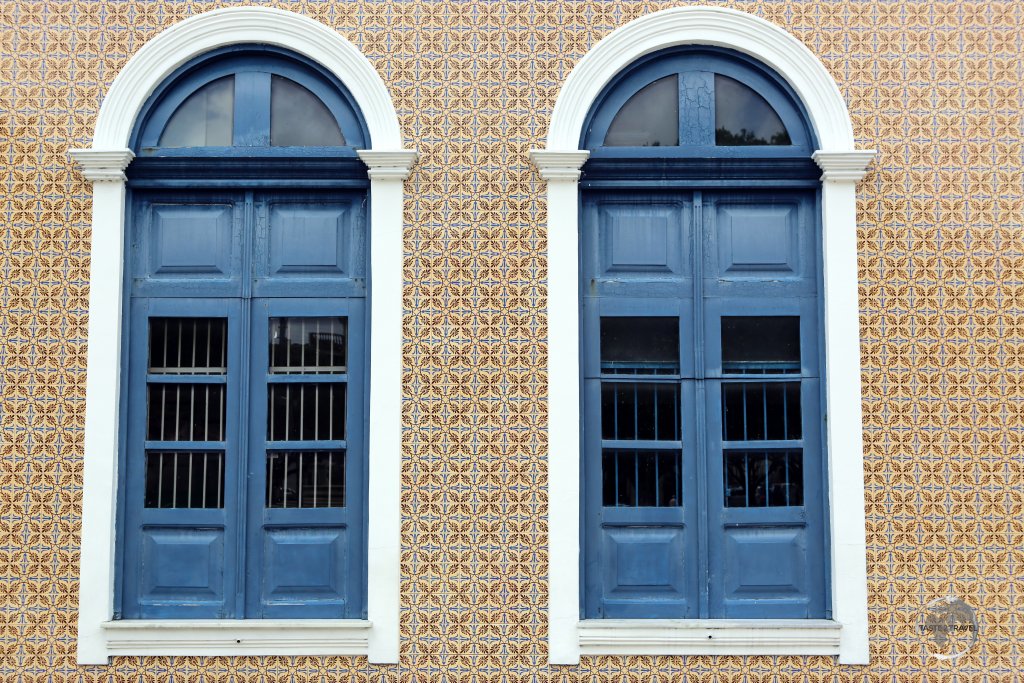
(846, 633)
(376, 637)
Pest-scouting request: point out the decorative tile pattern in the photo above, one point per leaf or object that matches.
(934, 86)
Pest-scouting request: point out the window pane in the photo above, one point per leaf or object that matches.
(306, 412)
(305, 479)
(633, 478)
(650, 118)
(310, 346)
(634, 346)
(300, 118)
(757, 411)
(742, 117)
(204, 119)
(186, 412)
(188, 346)
(763, 478)
(646, 411)
(761, 344)
(184, 479)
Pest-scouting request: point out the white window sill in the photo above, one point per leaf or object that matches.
(237, 637)
(708, 637)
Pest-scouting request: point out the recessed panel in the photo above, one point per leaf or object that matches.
(641, 237)
(757, 240)
(182, 565)
(308, 238)
(763, 563)
(644, 560)
(303, 566)
(191, 240)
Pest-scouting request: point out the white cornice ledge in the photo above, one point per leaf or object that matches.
(103, 165)
(709, 636)
(848, 166)
(389, 164)
(559, 165)
(237, 637)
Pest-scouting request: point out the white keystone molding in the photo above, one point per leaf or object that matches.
(233, 637)
(843, 165)
(709, 636)
(104, 164)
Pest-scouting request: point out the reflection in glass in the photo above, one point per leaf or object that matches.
(640, 346)
(633, 478)
(761, 344)
(742, 117)
(764, 478)
(305, 479)
(204, 119)
(311, 346)
(650, 118)
(299, 118)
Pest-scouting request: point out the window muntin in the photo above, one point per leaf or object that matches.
(241, 101)
(726, 105)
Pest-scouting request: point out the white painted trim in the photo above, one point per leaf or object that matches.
(843, 165)
(176, 45)
(709, 637)
(104, 164)
(237, 638)
(716, 26)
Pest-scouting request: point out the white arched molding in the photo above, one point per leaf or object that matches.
(99, 635)
(846, 634)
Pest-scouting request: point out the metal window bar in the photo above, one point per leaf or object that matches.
(755, 411)
(763, 478)
(639, 478)
(184, 479)
(305, 479)
(188, 346)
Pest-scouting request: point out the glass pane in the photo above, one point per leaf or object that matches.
(758, 411)
(646, 411)
(188, 346)
(633, 478)
(761, 344)
(650, 118)
(742, 117)
(633, 346)
(763, 478)
(299, 118)
(310, 346)
(204, 119)
(305, 479)
(306, 412)
(186, 412)
(184, 479)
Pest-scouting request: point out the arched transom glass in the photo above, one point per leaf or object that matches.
(698, 103)
(253, 98)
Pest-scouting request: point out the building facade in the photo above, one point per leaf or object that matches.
(493, 258)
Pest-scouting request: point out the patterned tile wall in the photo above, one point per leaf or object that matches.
(934, 86)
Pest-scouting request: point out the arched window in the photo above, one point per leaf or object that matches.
(243, 453)
(703, 464)
(705, 267)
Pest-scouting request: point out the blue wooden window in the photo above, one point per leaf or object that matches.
(243, 448)
(703, 462)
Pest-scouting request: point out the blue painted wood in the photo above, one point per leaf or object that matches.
(696, 67)
(733, 253)
(176, 563)
(245, 257)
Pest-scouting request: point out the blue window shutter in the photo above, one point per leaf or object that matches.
(719, 255)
